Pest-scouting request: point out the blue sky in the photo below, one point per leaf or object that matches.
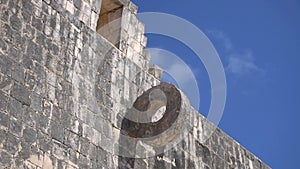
(258, 42)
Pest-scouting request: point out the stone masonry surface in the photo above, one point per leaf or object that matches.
(63, 87)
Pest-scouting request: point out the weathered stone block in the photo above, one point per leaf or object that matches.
(15, 22)
(20, 93)
(12, 144)
(18, 73)
(57, 131)
(44, 142)
(5, 84)
(5, 65)
(5, 159)
(4, 119)
(15, 127)
(25, 150)
(29, 134)
(3, 45)
(37, 23)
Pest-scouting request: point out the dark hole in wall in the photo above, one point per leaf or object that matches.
(109, 22)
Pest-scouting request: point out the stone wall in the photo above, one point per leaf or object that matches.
(64, 89)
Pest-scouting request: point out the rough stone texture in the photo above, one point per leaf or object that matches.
(63, 87)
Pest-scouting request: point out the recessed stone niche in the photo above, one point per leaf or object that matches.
(109, 22)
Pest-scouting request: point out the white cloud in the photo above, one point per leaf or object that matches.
(223, 38)
(240, 62)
